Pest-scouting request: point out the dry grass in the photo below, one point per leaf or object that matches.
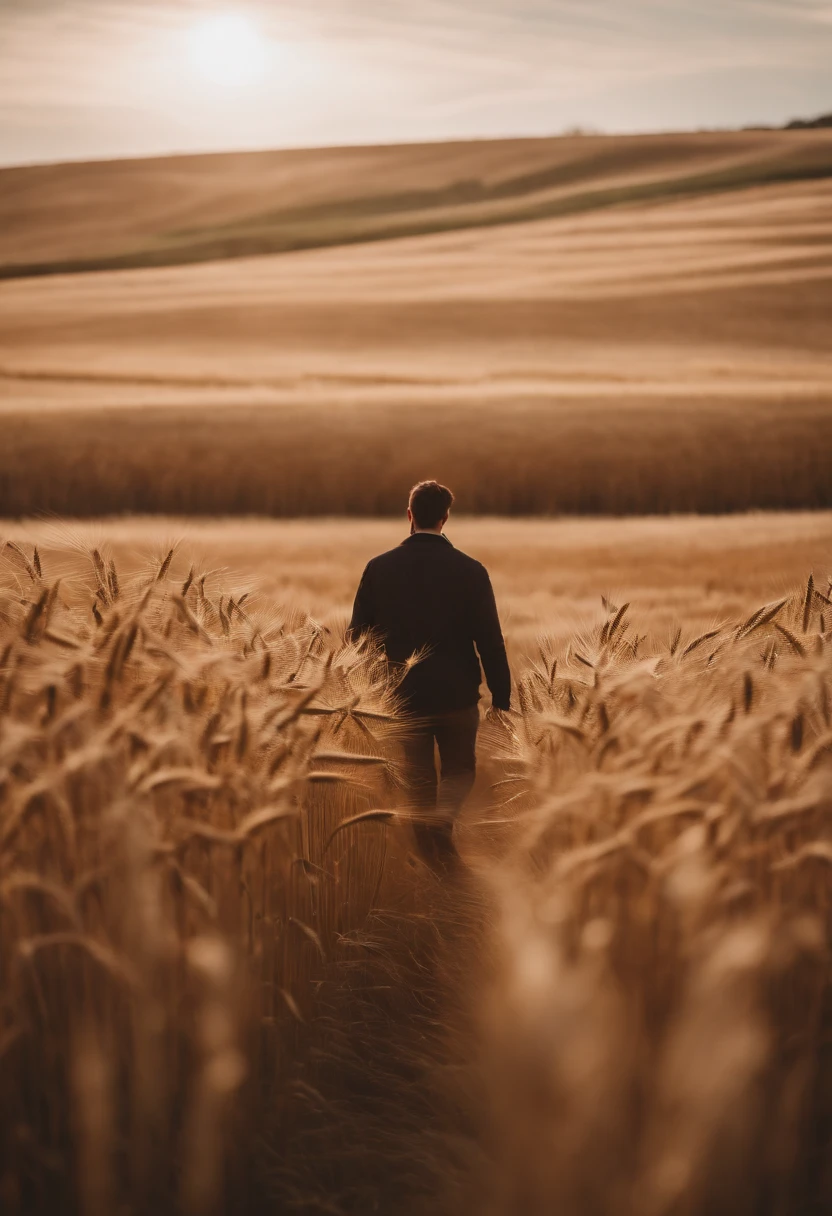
(211, 1002)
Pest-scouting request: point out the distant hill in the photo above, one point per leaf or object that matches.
(190, 209)
(810, 124)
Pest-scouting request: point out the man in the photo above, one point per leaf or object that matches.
(429, 605)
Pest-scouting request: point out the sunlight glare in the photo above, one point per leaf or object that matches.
(228, 49)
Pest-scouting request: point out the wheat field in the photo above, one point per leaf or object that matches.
(229, 985)
(548, 574)
(175, 210)
(650, 353)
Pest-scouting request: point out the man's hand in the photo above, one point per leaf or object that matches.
(502, 721)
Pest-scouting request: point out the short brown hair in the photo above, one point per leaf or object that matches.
(430, 503)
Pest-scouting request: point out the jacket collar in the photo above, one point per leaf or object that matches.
(426, 538)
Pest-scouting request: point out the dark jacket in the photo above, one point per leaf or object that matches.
(427, 598)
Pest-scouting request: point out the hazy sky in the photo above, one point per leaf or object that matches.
(89, 78)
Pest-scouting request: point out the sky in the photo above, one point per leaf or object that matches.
(83, 79)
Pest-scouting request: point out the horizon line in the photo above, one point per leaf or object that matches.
(791, 127)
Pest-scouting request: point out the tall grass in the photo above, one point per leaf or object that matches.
(528, 458)
(226, 986)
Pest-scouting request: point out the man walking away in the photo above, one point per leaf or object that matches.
(429, 601)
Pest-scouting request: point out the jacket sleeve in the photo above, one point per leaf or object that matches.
(488, 638)
(362, 612)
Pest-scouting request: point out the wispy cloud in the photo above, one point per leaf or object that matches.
(383, 69)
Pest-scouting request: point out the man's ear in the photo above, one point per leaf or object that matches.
(409, 516)
(444, 521)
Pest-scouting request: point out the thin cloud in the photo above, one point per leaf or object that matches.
(361, 66)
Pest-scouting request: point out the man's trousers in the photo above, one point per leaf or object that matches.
(437, 799)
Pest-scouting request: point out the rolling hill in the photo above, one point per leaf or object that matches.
(180, 210)
(584, 325)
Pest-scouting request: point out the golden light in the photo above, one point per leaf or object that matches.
(228, 49)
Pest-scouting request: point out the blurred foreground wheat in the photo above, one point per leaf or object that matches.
(658, 1037)
(190, 796)
(172, 770)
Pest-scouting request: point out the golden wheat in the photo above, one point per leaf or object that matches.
(656, 1035)
(196, 796)
(559, 456)
(173, 774)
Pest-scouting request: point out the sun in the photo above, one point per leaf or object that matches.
(228, 49)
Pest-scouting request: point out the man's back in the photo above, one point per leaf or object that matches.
(428, 599)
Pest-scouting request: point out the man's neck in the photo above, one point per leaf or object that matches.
(427, 531)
